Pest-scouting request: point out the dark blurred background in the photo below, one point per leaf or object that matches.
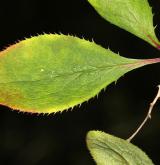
(28, 139)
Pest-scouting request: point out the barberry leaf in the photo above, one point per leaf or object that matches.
(135, 16)
(51, 73)
(110, 150)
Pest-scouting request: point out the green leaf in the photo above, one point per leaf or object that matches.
(110, 150)
(51, 73)
(135, 16)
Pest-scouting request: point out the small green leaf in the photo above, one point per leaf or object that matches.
(51, 73)
(109, 150)
(135, 16)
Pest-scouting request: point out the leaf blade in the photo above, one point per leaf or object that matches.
(108, 149)
(133, 16)
(51, 73)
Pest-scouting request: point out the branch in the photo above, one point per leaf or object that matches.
(148, 115)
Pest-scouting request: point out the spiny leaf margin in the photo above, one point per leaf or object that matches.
(51, 73)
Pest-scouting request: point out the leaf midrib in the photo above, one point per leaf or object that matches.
(108, 67)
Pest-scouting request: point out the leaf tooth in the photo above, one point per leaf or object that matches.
(72, 108)
(97, 95)
(79, 105)
(155, 27)
(93, 40)
(59, 33)
(115, 82)
(104, 89)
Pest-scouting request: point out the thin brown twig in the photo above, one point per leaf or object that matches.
(148, 115)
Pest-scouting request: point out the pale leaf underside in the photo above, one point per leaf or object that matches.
(110, 150)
